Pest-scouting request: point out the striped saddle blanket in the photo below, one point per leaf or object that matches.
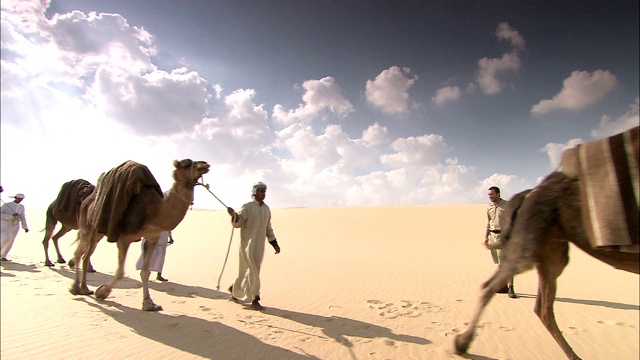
(607, 171)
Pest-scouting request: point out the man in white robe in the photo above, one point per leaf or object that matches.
(159, 253)
(12, 215)
(254, 221)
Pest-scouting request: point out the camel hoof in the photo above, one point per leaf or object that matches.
(76, 290)
(91, 270)
(48, 263)
(61, 261)
(152, 307)
(102, 292)
(460, 345)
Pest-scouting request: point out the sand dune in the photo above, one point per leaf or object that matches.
(350, 283)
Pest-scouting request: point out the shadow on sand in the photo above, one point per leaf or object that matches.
(206, 339)
(12, 265)
(336, 327)
(609, 304)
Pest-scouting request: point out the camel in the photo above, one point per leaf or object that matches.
(64, 209)
(540, 224)
(143, 212)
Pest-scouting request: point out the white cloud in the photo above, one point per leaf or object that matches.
(85, 88)
(320, 96)
(579, 90)
(389, 91)
(506, 32)
(554, 151)
(375, 135)
(490, 68)
(416, 151)
(609, 127)
(446, 94)
(157, 103)
(509, 185)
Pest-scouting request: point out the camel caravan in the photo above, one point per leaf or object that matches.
(126, 205)
(592, 202)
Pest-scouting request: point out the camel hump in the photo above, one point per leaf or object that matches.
(72, 193)
(115, 189)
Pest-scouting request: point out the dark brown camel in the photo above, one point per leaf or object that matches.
(143, 212)
(64, 209)
(540, 224)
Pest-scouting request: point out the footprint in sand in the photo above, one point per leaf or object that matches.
(204, 308)
(406, 308)
(615, 323)
(506, 328)
(572, 330)
(433, 325)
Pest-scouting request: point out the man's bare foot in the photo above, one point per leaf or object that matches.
(160, 278)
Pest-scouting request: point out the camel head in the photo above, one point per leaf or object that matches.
(189, 171)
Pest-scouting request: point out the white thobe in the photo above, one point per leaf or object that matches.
(11, 225)
(254, 221)
(157, 259)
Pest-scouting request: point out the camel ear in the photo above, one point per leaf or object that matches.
(176, 164)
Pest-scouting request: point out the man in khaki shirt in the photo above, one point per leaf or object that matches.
(492, 235)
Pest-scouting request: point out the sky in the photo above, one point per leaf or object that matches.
(330, 103)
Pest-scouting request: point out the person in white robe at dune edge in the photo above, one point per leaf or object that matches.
(254, 221)
(13, 215)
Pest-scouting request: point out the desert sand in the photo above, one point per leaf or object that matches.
(350, 283)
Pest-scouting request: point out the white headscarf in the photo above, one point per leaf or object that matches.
(256, 186)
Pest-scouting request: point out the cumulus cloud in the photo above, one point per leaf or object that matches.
(609, 126)
(413, 151)
(446, 94)
(554, 150)
(321, 96)
(491, 69)
(80, 82)
(389, 91)
(506, 32)
(579, 90)
(157, 103)
(375, 135)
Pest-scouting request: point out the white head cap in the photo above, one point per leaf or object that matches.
(19, 196)
(256, 186)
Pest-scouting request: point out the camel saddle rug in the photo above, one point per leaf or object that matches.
(66, 206)
(115, 189)
(607, 171)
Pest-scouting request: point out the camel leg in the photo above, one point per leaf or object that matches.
(552, 263)
(55, 239)
(500, 277)
(145, 273)
(45, 244)
(49, 226)
(104, 290)
(81, 250)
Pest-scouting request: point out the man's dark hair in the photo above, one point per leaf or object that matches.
(495, 188)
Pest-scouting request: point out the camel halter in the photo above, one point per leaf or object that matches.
(206, 186)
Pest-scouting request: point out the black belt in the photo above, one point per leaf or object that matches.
(495, 231)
